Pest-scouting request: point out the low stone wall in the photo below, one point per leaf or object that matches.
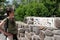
(44, 33)
(47, 34)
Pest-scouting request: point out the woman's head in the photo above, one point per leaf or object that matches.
(10, 12)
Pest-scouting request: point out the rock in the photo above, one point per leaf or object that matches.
(48, 38)
(41, 27)
(36, 30)
(50, 28)
(22, 35)
(56, 32)
(27, 30)
(35, 37)
(42, 35)
(48, 33)
(22, 30)
(57, 23)
(56, 37)
(28, 35)
(23, 38)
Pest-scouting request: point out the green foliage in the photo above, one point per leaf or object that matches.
(43, 8)
(31, 9)
(15, 3)
(2, 0)
(2, 7)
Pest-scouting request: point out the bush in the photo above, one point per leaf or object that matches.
(31, 9)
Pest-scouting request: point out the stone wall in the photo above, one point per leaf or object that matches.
(41, 33)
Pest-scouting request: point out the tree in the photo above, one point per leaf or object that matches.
(2, 0)
(57, 10)
(15, 3)
(31, 9)
(2, 7)
(40, 8)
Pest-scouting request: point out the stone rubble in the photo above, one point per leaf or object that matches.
(44, 33)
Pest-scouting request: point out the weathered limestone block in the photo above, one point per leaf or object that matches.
(56, 32)
(28, 35)
(37, 32)
(35, 37)
(48, 33)
(42, 35)
(22, 30)
(50, 28)
(27, 30)
(56, 37)
(42, 27)
(23, 38)
(22, 35)
(48, 38)
(57, 23)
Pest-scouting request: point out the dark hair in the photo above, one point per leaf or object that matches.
(9, 10)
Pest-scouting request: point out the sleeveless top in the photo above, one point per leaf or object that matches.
(11, 26)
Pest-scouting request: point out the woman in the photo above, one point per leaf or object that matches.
(12, 28)
(10, 25)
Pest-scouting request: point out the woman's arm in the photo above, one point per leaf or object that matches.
(6, 33)
(2, 31)
(3, 22)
